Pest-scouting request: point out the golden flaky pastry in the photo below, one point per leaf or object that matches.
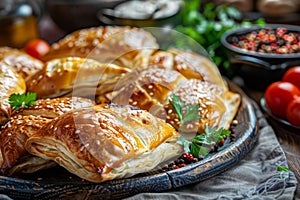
(23, 124)
(13, 136)
(152, 89)
(110, 44)
(74, 76)
(106, 142)
(24, 64)
(189, 64)
(10, 82)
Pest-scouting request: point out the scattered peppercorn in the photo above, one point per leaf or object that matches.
(274, 41)
(187, 158)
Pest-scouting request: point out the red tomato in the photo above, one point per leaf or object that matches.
(37, 48)
(278, 95)
(292, 75)
(293, 112)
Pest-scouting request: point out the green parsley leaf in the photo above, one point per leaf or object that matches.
(198, 150)
(191, 113)
(217, 135)
(281, 168)
(198, 146)
(25, 100)
(177, 104)
(185, 143)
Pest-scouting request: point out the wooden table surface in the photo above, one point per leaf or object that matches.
(288, 138)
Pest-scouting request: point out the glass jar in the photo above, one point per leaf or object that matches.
(18, 22)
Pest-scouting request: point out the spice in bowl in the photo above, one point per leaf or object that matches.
(271, 41)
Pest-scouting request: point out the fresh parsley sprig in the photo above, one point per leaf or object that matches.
(25, 100)
(191, 113)
(199, 145)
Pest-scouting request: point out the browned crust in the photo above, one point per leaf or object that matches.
(189, 64)
(24, 64)
(10, 82)
(61, 76)
(51, 108)
(112, 44)
(98, 139)
(13, 136)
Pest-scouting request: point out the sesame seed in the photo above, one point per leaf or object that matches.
(190, 126)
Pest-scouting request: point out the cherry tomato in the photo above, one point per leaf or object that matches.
(293, 112)
(37, 48)
(292, 75)
(278, 95)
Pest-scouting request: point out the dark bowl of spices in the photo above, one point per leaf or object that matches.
(261, 54)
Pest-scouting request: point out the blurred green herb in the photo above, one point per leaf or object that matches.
(281, 168)
(207, 23)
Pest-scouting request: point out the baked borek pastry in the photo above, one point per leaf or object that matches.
(13, 136)
(74, 76)
(24, 123)
(10, 82)
(52, 108)
(216, 110)
(106, 142)
(23, 63)
(152, 89)
(189, 64)
(111, 44)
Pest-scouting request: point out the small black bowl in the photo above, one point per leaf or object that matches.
(259, 69)
(284, 123)
(129, 13)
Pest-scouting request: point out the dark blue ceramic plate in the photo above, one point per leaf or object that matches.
(59, 184)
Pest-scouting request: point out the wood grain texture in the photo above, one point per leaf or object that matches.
(59, 184)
